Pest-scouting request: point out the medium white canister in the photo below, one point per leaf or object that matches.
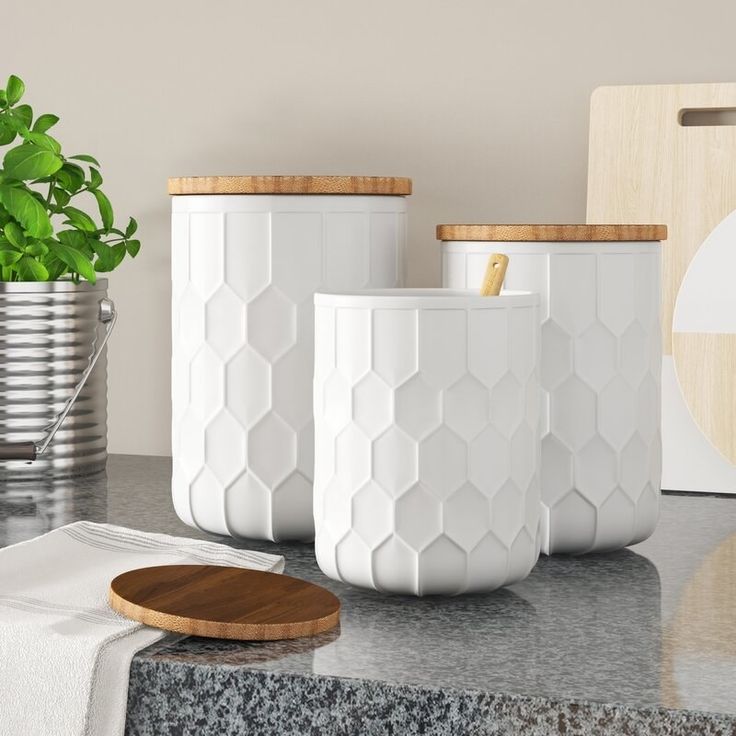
(426, 406)
(248, 253)
(601, 368)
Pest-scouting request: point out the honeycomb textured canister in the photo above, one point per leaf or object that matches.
(427, 440)
(601, 374)
(244, 272)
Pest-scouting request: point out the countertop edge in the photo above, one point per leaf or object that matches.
(175, 697)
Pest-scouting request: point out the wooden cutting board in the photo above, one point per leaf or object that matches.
(648, 163)
(224, 602)
(704, 337)
(644, 166)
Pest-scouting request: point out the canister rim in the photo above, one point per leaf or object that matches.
(552, 233)
(45, 287)
(429, 298)
(299, 184)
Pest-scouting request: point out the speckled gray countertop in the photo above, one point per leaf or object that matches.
(641, 641)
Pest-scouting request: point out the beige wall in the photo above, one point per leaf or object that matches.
(484, 103)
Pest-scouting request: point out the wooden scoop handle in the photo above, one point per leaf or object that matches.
(495, 274)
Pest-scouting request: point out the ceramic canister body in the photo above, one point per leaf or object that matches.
(244, 272)
(426, 408)
(601, 374)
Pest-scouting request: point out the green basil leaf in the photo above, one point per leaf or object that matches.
(108, 256)
(87, 248)
(70, 177)
(79, 241)
(19, 118)
(64, 180)
(44, 141)
(132, 246)
(103, 203)
(75, 260)
(44, 122)
(26, 209)
(95, 179)
(104, 255)
(36, 249)
(55, 267)
(29, 269)
(9, 256)
(118, 253)
(80, 220)
(132, 227)
(86, 157)
(38, 197)
(30, 161)
(14, 89)
(73, 238)
(61, 197)
(15, 123)
(14, 233)
(7, 134)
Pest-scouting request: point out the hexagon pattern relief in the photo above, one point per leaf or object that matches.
(436, 458)
(372, 405)
(466, 408)
(243, 350)
(600, 373)
(395, 466)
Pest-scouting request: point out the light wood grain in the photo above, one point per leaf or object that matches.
(643, 166)
(377, 185)
(551, 233)
(224, 602)
(494, 275)
(706, 370)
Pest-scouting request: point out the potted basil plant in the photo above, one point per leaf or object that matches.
(57, 232)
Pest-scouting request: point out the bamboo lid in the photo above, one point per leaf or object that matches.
(550, 233)
(224, 602)
(386, 185)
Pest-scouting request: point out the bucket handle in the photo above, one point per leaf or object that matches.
(31, 450)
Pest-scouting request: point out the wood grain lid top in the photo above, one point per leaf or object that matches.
(224, 602)
(550, 233)
(386, 185)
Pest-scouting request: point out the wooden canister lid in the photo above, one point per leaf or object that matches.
(224, 602)
(386, 185)
(551, 233)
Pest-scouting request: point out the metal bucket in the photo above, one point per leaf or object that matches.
(53, 378)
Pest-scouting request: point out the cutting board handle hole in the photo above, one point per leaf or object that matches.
(700, 117)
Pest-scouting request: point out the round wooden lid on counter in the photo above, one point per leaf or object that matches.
(224, 602)
(552, 233)
(375, 185)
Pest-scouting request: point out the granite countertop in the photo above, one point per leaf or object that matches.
(641, 641)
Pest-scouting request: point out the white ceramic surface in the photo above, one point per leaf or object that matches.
(601, 374)
(244, 271)
(427, 439)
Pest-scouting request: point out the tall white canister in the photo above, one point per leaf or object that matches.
(426, 406)
(248, 253)
(601, 368)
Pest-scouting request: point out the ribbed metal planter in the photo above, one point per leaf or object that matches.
(48, 333)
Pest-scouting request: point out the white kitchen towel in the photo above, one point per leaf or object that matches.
(64, 653)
